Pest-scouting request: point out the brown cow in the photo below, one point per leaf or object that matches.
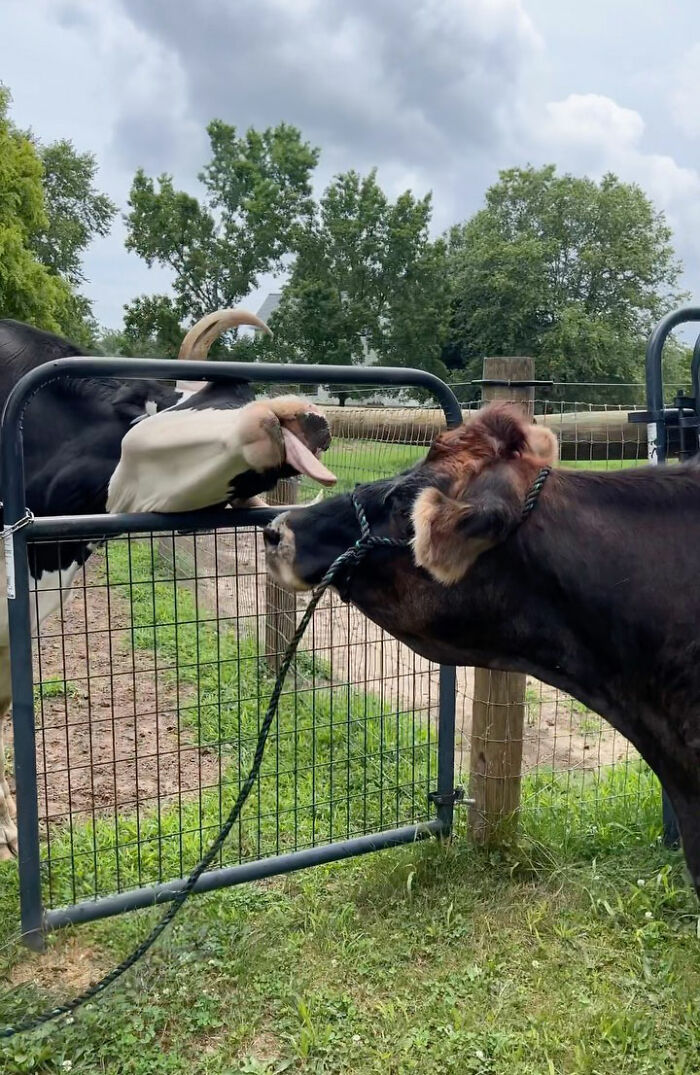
(595, 591)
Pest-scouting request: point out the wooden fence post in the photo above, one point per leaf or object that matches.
(280, 605)
(498, 707)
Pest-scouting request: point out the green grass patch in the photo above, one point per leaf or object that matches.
(446, 957)
(55, 688)
(586, 813)
(365, 461)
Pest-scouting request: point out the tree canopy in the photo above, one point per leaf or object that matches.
(368, 284)
(257, 194)
(570, 271)
(29, 291)
(50, 211)
(76, 211)
(153, 328)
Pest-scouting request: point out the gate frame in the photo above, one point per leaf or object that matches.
(35, 920)
(656, 416)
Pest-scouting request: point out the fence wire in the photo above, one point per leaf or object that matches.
(150, 690)
(152, 682)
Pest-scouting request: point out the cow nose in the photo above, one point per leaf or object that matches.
(272, 536)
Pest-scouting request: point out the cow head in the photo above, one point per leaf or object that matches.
(217, 443)
(285, 435)
(464, 499)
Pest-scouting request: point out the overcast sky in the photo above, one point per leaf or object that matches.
(439, 94)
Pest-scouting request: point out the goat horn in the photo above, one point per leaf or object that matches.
(201, 336)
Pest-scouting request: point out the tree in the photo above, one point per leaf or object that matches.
(49, 213)
(76, 211)
(257, 194)
(570, 271)
(152, 327)
(368, 285)
(29, 291)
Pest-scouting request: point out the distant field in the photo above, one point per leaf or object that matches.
(364, 461)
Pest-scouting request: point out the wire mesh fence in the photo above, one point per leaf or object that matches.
(152, 683)
(150, 691)
(579, 777)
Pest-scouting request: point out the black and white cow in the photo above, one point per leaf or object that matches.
(100, 444)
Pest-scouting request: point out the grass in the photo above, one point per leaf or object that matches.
(352, 461)
(574, 951)
(425, 958)
(56, 688)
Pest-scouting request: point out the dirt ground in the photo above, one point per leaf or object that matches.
(109, 736)
(107, 719)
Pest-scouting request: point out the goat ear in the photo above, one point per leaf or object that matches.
(450, 535)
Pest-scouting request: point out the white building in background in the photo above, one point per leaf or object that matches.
(322, 396)
(268, 307)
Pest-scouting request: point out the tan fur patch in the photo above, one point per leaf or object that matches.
(436, 546)
(287, 408)
(543, 444)
(262, 444)
(498, 435)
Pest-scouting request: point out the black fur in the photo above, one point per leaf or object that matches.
(73, 430)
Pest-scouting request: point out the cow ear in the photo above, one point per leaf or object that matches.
(543, 444)
(450, 535)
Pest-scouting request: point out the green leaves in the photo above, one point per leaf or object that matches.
(49, 213)
(368, 284)
(257, 196)
(28, 291)
(568, 270)
(76, 212)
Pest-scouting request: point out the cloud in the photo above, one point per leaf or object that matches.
(439, 94)
(592, 121)
(593, 134)
(683, 97)
(370, 82)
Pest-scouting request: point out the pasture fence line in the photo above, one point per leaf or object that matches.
(584, 431)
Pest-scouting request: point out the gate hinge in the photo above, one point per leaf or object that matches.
(449, 798)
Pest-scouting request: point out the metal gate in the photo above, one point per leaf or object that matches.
(671, 431)
(420, 792)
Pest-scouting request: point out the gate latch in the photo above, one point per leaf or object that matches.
(450, 798)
